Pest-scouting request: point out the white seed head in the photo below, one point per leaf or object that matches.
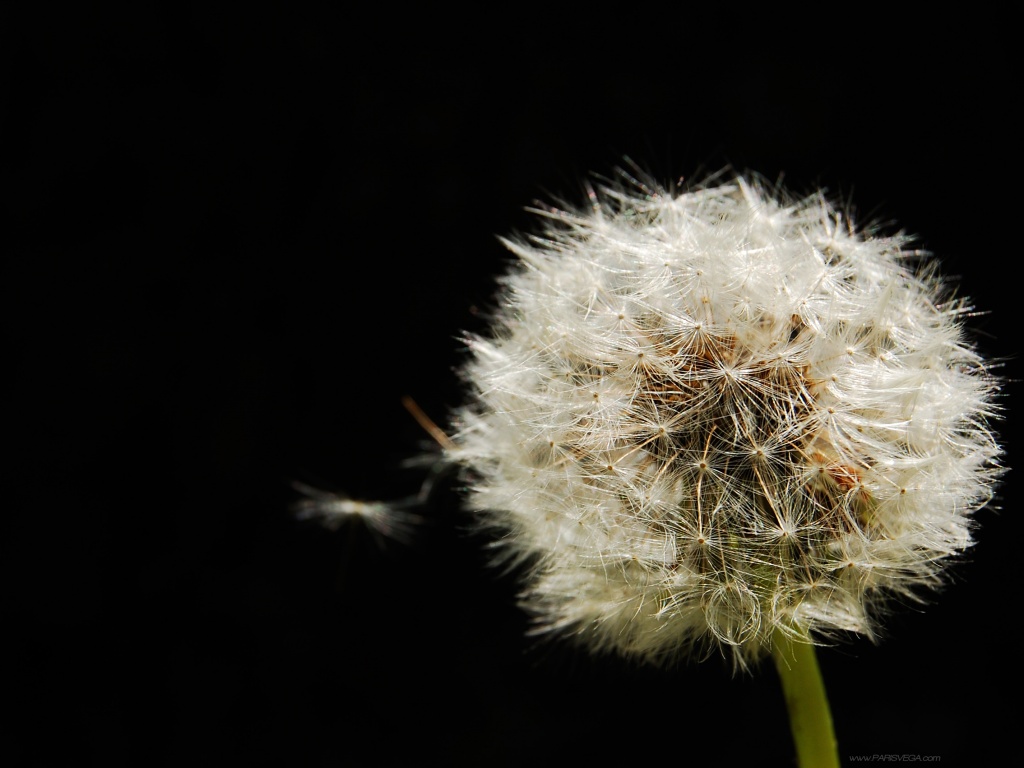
(704, 417)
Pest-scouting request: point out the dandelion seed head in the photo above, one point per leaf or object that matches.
(703, 417)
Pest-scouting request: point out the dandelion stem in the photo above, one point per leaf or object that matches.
(810, 718)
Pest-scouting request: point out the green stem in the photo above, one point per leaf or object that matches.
(809, 716)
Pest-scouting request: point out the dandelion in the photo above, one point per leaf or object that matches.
(723, 420)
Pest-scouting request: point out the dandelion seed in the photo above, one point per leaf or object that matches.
(385, 520)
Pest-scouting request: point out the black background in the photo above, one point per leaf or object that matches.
(235, 239)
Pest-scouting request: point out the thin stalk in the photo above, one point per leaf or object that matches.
(810, 718)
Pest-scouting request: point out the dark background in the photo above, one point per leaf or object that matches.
(235, 239)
